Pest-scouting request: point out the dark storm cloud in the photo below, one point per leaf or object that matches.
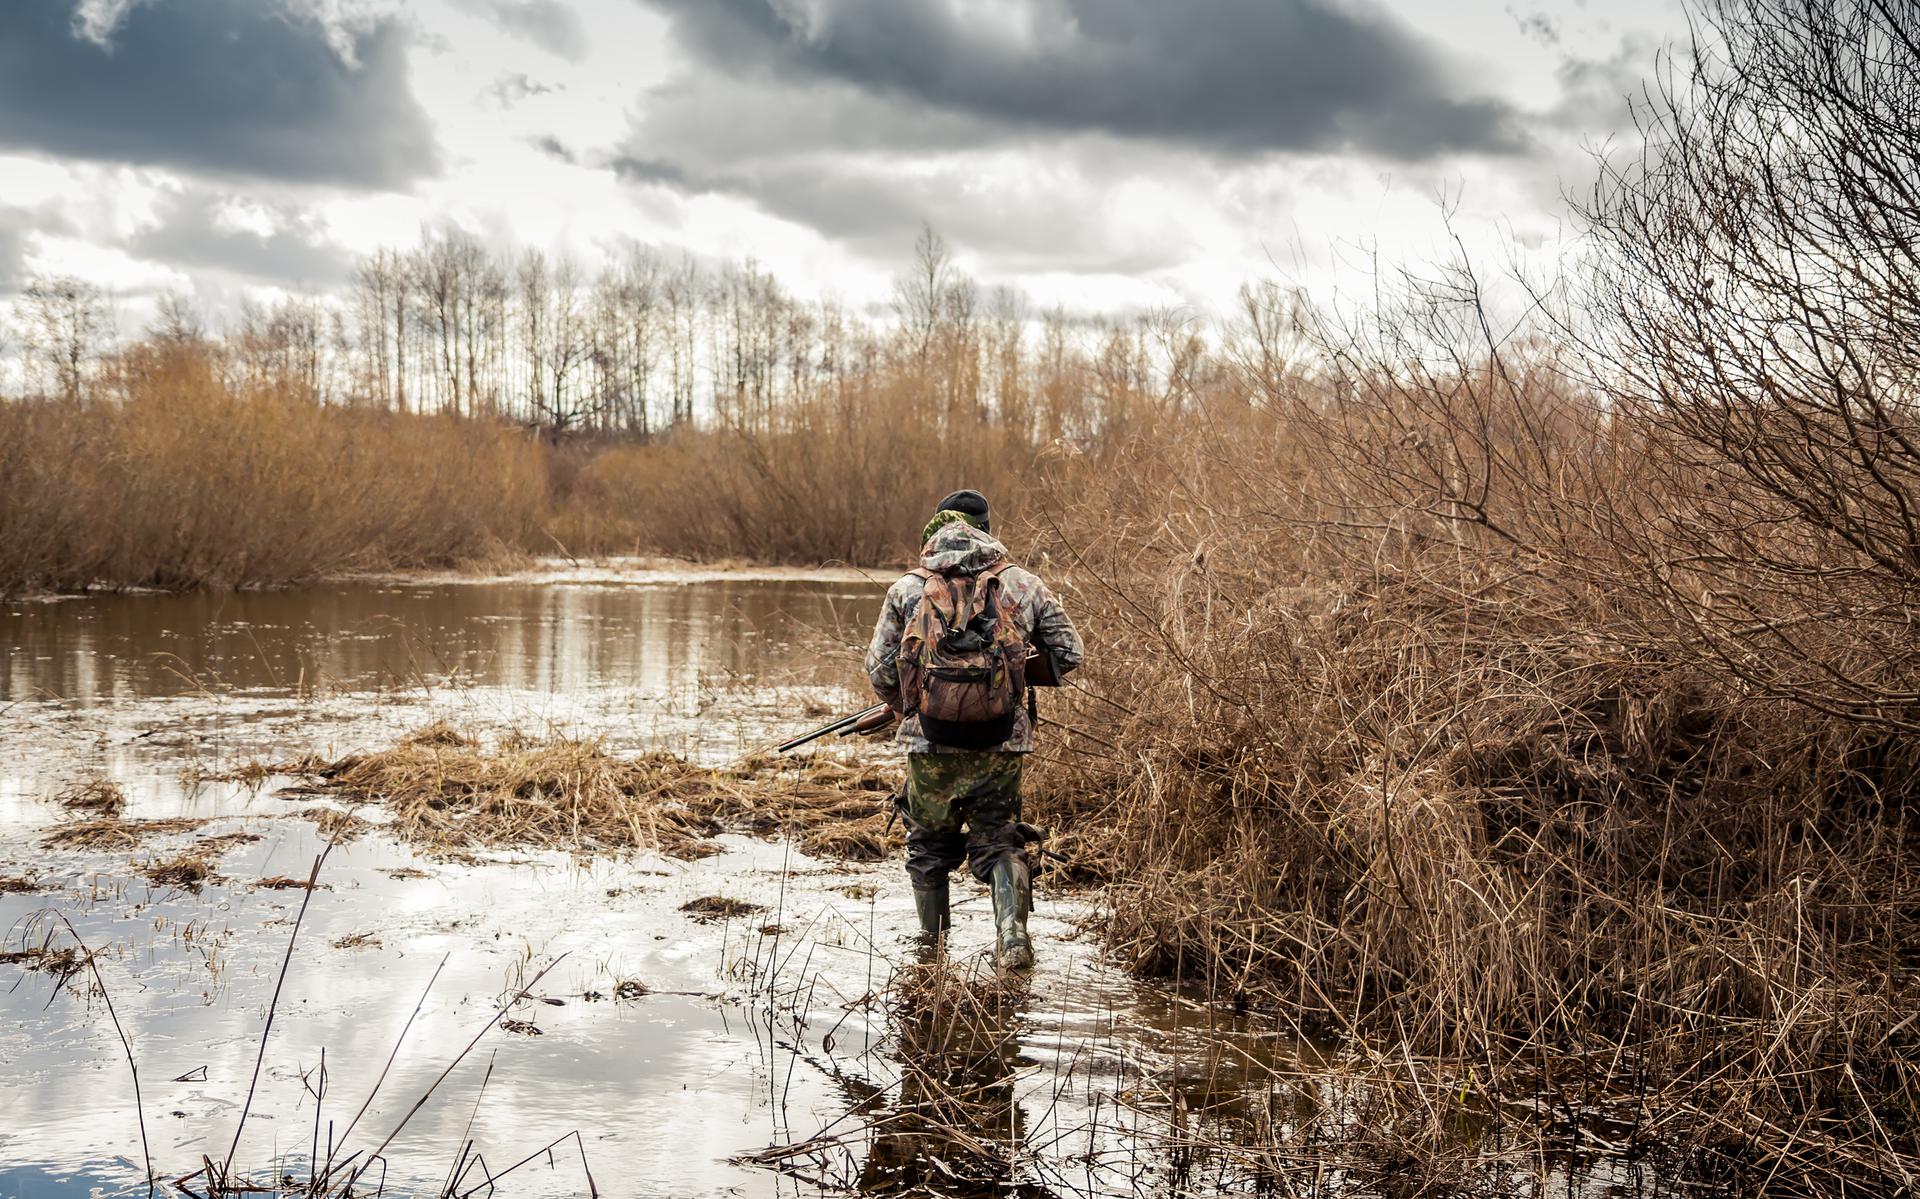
(235, 86)
(190, 236)
(1235, 75)
(878, 212)
(548, 24)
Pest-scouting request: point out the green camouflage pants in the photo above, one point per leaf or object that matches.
(961, 807)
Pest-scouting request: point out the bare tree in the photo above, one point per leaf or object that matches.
(920, 296)
(381, 308)
(681, 291)
(556, 341)
(177, 320)
(68, 325)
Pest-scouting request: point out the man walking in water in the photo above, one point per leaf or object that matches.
(952, 653)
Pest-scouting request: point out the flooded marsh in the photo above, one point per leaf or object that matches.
(752, 1017)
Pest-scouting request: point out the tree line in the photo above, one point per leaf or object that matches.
(644, 342)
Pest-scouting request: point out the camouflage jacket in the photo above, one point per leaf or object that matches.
(958, 548)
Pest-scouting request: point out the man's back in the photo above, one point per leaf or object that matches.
(962, 804)
(957, 548)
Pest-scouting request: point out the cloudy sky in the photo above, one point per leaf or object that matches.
(1096, 153)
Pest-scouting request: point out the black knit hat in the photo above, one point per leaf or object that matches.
(971, 502)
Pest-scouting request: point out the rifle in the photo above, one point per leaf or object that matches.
(866, 720)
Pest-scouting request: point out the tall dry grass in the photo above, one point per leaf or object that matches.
(848, 476)
(1394, 725)
(173, 474)
(169, 477)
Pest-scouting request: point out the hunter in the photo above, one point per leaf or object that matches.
(956, 650)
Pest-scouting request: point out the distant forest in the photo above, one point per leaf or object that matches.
(641, 343)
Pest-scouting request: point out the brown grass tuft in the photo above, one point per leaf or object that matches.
(446, 791)
(709, 908)
(182, 870)
(65, 961)
(114, 833)
(336, 825)
(101, 796)
(282, 882)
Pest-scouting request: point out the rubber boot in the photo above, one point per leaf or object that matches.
(930, 904)
(1012, 888)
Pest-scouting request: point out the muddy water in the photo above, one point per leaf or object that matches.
(667, 1051)
(766, 1053)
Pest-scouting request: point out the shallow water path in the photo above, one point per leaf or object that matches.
(679, 1045)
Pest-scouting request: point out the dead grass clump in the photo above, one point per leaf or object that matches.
(222, 842)
(64, 961)
(447, 792)
(440, 734)
(710, 908)
(337, 825)
(862, 841)
(102, 796)
(113, 833)
(182, 870)
(252, 774)
(282, 882)
(16, 885)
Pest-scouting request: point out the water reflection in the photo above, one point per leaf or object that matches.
(372, 637)
(956, 1125)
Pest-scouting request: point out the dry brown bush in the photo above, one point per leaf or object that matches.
(849, 477)
(168, 477)
(1391, 727)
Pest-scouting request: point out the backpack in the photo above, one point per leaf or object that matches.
(963, 659)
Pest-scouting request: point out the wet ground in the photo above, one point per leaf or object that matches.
(775, 1045)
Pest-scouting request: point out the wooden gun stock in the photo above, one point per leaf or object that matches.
(872, 722)
(1040, 671)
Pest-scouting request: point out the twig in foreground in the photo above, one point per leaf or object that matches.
(139, 1111)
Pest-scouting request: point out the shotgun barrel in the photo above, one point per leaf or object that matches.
(865, 720)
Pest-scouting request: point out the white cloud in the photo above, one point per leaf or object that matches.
(107, 267)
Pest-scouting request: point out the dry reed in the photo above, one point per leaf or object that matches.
(447, 792)
(114, 833)
(1388, 730)
(102, 796)
(174, 476)
(182, 870)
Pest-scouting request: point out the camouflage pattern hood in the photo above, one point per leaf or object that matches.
(958, 548)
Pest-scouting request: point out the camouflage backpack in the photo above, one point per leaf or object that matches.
(963, 659)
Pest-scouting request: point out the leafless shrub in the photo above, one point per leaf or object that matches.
(1394, 728)
(1758, 279)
